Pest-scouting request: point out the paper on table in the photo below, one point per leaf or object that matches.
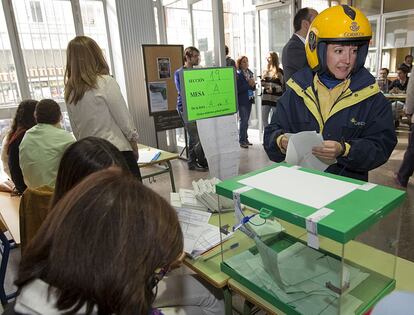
(209, 238)
(193, 223)
(299, 150)
(306, 188)
(147, 155)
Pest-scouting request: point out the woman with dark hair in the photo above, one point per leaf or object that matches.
(100, 250)
(245, 98)
(84, 157)
(94, 100)
(23, 120)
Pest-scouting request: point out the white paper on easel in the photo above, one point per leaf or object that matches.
(299, 150)
(219, 138)
(309, 189)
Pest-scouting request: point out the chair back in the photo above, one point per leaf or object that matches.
(34, 207)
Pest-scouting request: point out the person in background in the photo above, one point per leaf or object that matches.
(337, 97)
(245, 87)
(407, 166)
(229, 60)
(43, 145)
(273, 86)
(407, 64)
(94, 100)
(383, 82)
(97, 241)
(23, 120)
(399, 85)
(293, 54)
(195, 160)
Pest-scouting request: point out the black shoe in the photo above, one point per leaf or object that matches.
(249, 143)
(244, 146)
(196, 167)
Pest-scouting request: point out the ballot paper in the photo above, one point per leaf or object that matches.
(299, 150)
(193, 223)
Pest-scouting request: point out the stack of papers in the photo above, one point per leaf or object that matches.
(298, 276)
(148, 155)
(185, 198)
(199, 236)
(205, 192)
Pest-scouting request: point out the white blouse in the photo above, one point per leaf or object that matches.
(103, 113)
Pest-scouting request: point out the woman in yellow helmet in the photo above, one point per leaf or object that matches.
(337, 97)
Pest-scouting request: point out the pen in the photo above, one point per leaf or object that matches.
(232, 246)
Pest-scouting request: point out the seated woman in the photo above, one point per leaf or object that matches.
(92, 154)
(101, 250)
(23, 120)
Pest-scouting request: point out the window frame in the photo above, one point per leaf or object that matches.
(7, 111)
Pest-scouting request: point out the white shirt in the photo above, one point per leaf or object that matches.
(303, 39)
(103, 113)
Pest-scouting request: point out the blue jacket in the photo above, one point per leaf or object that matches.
(178, 87)
(361, 117)
(243, 89)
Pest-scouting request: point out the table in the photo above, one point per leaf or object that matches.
(9, 211)
(396, 98)
(209, 270)
(159, 166)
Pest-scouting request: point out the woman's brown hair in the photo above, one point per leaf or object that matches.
(101, 245)
(22, 121)
(84, 63)
(273, 66)
(239, 61)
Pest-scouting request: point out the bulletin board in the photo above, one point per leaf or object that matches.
(160, 63)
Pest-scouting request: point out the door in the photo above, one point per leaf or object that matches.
(275, 29)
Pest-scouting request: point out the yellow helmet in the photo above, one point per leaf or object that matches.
(338, 24)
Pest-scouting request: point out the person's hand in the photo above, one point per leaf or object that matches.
(251, 82)
(134, 147)
(328, 152)
(284, 143)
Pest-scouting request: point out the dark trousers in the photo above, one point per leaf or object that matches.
(193, 139)
(244, 115)
(132, 163)
(407, 166)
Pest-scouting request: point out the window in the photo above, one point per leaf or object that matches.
(9, 90)
(36, 11)
(94, 24)
(44, 45)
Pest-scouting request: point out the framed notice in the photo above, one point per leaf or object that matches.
(208, 92)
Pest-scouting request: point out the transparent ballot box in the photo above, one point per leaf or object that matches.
(304, 229)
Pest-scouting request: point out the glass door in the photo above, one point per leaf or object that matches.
(275, 29)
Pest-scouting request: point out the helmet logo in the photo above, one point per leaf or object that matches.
(354, 27)
(312, 41)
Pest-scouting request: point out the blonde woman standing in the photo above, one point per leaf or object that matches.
(273, 87)
(94, 100)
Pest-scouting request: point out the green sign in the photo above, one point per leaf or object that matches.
(208, 92)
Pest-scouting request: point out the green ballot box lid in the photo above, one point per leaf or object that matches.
(342, 207)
